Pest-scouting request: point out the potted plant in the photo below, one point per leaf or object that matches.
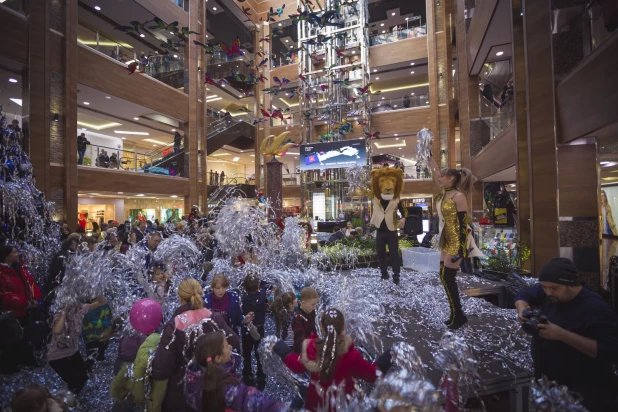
(506, 257)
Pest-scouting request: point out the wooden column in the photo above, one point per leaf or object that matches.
(440, 62)
(580, 208)
(70, 109)
(542, 160)
(520, 120)
(192, 129)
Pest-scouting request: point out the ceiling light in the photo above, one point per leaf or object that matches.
(240, 95)
(218, 65)
(214, 8)
(16, 101)
(125, 132)
(120, 193)
(142, 35)
(174, 196)
(377, 78)
(235, 159)
(375, 70)
(426, 102)
(400, 148)
(396, 134)
(175, 56)
(382, 97)
(396, 138)
(412, 72)
(280, 24)
(87, 104)
(171, 32)
(605, 163)
(412, 94)
(353, 51)
(140, 195)
(214, 100)
(97, 8)
(500, 53)
(108, 97)
(173, 130)
(395, 106)
(123, 138)
(136, 118)
(206, 35)
(383, 31)
(412, 64)
(382, 25)
(407, 18)
(393, 13)
(11, 80)
(287, 41)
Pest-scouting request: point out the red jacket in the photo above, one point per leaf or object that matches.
(14, 296)
(350, 365)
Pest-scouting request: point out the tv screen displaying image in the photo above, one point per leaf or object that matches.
(330, 155)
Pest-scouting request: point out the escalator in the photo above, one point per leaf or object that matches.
(235, 132)
(171, 164)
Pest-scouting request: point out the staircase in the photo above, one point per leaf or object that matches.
(236, 132)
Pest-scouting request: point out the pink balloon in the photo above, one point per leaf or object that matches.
(146, 316)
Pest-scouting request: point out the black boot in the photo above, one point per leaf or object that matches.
(457, 318)
(385, 276)
(396, 278)
(448, 321)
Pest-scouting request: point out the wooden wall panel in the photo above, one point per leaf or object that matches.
(105, 180)
(498, 155)
(398, 52)
(418, 187)
(587, 97)
(289, 71)
(14, 32)
(105, 74)
(578, 186)
(400, 121)
(478, 29)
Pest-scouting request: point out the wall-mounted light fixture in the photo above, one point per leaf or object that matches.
(56, 117)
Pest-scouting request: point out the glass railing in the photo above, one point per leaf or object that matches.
(120, 51)
(221, 125)
(291, 179)
(221, 57)
(497, 115)
(167, 68)
(278, 61)
(168, 163)
(397, 35)
(410, 172)
(385, 104)
(20, 6)
(215, 178)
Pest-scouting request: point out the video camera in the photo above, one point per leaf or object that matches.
(534, 318)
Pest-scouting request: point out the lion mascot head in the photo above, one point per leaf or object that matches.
(387, 183)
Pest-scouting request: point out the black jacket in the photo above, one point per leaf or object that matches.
(82, 142)
(587, 315)
(256, 303)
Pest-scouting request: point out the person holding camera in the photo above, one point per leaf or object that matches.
(575, 333)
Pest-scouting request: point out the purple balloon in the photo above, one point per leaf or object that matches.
(146, 316)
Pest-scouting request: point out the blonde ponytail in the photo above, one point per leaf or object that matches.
(190, 291)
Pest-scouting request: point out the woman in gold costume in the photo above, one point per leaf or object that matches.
(452, 210)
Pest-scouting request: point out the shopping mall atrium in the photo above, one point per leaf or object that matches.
(183, 112)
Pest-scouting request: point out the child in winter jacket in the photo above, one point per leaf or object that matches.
(303, 323)
(283, 309)
(332, 360)
(254, 304)
(226, 302)
(133, 383)
(211, 386)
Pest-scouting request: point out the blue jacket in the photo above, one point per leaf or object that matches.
(257, 303)
(234, 312)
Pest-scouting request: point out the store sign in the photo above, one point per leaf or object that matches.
(421, 200)
(330, 155)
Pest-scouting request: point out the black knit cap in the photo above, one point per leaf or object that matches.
(561, 271)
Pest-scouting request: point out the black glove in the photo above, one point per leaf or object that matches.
(282, 350)
(462, 217)
(385, 361)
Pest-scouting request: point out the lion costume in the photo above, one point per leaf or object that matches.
(386, 185)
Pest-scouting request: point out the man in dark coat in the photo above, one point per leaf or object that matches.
(82, 142)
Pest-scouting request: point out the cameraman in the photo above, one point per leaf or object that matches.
(579, 342)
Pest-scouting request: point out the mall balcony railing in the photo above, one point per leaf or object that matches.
(128, 160)
(167, 68)
(397, 35)
(278, 61)
(410, 172)
(231, 179)
(291, 179)
(497, 115)
(224, 123)
(19, 6)
(385, 104)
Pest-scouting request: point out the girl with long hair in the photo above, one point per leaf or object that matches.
(283, 309)
(609, 226)
(332, 361)
(212, 386)
(452, 207)
(178, 340)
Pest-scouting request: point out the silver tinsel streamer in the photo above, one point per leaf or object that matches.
(424, 140)
(357, 177)
(546, 395)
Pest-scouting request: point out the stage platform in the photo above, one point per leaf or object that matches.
(499, 346)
